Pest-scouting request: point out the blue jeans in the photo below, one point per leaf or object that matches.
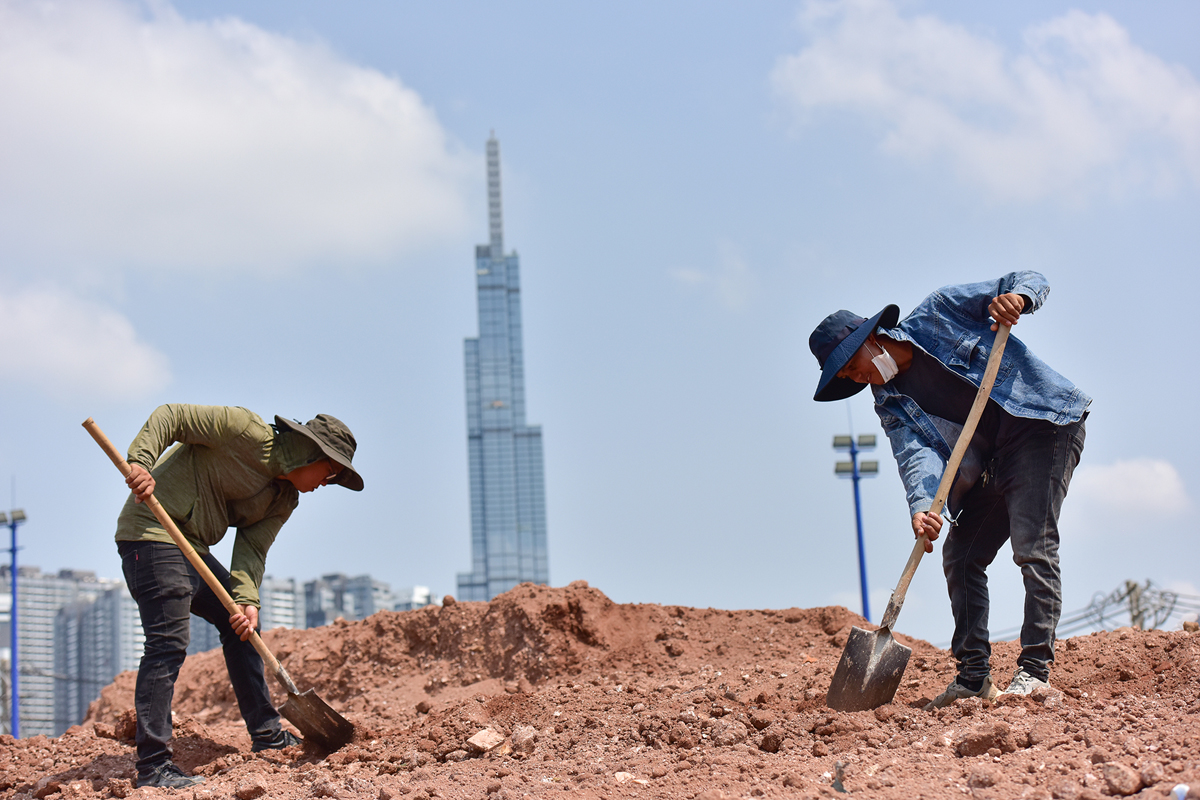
(1018, 499)
(168, 589)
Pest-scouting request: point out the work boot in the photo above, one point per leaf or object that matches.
(1023, 683)
(166, 776)
(956, 691)
(281, 740)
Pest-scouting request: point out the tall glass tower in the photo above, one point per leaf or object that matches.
(508, 498)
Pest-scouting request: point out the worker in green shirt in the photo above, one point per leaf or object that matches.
(228, 469)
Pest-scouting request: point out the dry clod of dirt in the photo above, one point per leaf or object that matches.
(582, 696)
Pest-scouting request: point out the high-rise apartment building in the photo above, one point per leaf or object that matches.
(94, 642)
(78, 632)
(335, 595)
(508, 503)
(39, 599)
(278, 605)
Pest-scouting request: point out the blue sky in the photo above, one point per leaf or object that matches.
(276, 206)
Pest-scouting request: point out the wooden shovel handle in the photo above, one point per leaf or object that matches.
(190, 553)
(956, 457)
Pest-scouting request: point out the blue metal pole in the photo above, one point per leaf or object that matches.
(862, 556)
(16, 696)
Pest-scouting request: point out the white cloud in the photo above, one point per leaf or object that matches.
(732, 281)
(133, 136)
(1143, 485)
(66, 346)
(1079, 108)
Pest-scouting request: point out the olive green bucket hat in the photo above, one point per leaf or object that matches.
(336, 442)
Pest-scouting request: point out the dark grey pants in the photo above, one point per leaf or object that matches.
(168, 589)
(1018, 500)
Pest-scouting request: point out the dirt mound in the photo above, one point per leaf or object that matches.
(544, 690)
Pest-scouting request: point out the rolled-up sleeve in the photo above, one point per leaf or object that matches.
(971, 300)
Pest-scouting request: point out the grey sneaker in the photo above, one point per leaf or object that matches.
(956, 691)
(166, 776)
(1024, 683)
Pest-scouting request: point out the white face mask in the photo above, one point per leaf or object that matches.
(887, 366)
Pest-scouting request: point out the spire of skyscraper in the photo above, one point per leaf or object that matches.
(495, 215)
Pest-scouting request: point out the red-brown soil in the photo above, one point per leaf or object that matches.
(589, 698)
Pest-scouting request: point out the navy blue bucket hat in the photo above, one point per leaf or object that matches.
(836, 340)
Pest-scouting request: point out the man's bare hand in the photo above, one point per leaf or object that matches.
(244, 623)
(1006, 308)
(140, 482)
(929, 525)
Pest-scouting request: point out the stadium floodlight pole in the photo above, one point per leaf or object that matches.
(12, 519)
(853, 470)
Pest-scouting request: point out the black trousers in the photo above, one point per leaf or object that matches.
(168, 590)
(1019, 503)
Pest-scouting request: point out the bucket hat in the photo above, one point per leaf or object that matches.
(836, 340)
(336, 442)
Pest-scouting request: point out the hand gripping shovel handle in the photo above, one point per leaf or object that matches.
(956, 457)
(192, 556)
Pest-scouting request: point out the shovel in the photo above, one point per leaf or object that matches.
(311, 715)
(873, 663)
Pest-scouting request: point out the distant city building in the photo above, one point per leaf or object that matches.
(202, 636)
(78, 632)
(335, 595)
(414, 597)
(5, 697)
(39, 599)
(277, 609)
(508, 504)
(95, 641)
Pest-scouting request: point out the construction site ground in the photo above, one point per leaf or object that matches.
(547, 692)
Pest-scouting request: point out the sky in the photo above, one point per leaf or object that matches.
(275, 205)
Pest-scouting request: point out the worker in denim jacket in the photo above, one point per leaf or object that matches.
(924, 372)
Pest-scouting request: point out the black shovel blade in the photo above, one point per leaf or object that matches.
(870, 671)
(316, 721)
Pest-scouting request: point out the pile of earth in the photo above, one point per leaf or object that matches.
(549, 690)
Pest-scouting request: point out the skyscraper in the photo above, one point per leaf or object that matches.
(508, 499)
(94, 641)
(44, 657)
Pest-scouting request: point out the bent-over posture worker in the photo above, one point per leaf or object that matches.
(229, 468)
(925, 371)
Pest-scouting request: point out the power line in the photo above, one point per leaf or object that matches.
(1141, 606)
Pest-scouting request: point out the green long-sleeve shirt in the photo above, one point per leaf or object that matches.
(223, 472)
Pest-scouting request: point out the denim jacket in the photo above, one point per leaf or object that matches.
(953, 326)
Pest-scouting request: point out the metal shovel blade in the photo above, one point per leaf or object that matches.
(316, 721)
(870, 671)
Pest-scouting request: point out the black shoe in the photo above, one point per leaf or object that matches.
(284, 739)
(166, 776)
